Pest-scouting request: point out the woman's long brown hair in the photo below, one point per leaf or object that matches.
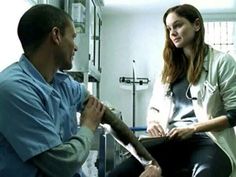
(175, 63)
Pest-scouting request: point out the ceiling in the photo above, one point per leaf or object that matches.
(131, 6)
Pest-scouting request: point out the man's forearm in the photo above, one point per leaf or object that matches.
(65, 159)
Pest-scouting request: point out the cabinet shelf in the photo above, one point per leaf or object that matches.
(93, 75)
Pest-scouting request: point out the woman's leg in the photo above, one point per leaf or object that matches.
(208, 160)
(129, 167)
(164, 154)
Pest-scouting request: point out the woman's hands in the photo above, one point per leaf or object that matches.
(151, 171)
(92, 114)
(181, 132)
(155, 129)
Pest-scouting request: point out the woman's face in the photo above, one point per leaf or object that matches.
(181, 31)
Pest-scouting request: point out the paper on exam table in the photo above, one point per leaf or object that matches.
(128, 147)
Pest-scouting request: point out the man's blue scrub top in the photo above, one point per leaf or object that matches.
(34, 116)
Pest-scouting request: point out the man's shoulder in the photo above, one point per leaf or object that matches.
(66, 79)
(11, 75)
(62, 77)
(13, 79)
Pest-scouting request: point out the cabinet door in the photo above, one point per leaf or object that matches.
(97, 40)
(92, 30)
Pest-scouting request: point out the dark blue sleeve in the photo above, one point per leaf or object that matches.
(231, 115)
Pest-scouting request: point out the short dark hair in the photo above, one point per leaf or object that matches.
(37, 22)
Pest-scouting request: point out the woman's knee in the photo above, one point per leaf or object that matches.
(129, 167)
(205, 170)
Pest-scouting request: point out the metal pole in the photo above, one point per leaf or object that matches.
(134, 89)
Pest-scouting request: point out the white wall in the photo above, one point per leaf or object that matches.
(127, 37)
(10, 13)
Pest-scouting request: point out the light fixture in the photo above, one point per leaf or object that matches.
(210, 4)
(128, 2)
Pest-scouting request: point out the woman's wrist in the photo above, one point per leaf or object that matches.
(152, 162)
(194, 128)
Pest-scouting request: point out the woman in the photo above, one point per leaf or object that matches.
(193, 104)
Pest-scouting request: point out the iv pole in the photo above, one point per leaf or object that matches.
(134, 89)
(133, 80)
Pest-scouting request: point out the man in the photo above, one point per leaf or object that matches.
(38, 102)
(38, 129)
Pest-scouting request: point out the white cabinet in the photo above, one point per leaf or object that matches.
(87, 19)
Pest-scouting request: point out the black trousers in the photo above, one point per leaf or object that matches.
(197, 156)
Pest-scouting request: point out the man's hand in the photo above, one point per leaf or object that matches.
(92, 114)
(151, 171)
